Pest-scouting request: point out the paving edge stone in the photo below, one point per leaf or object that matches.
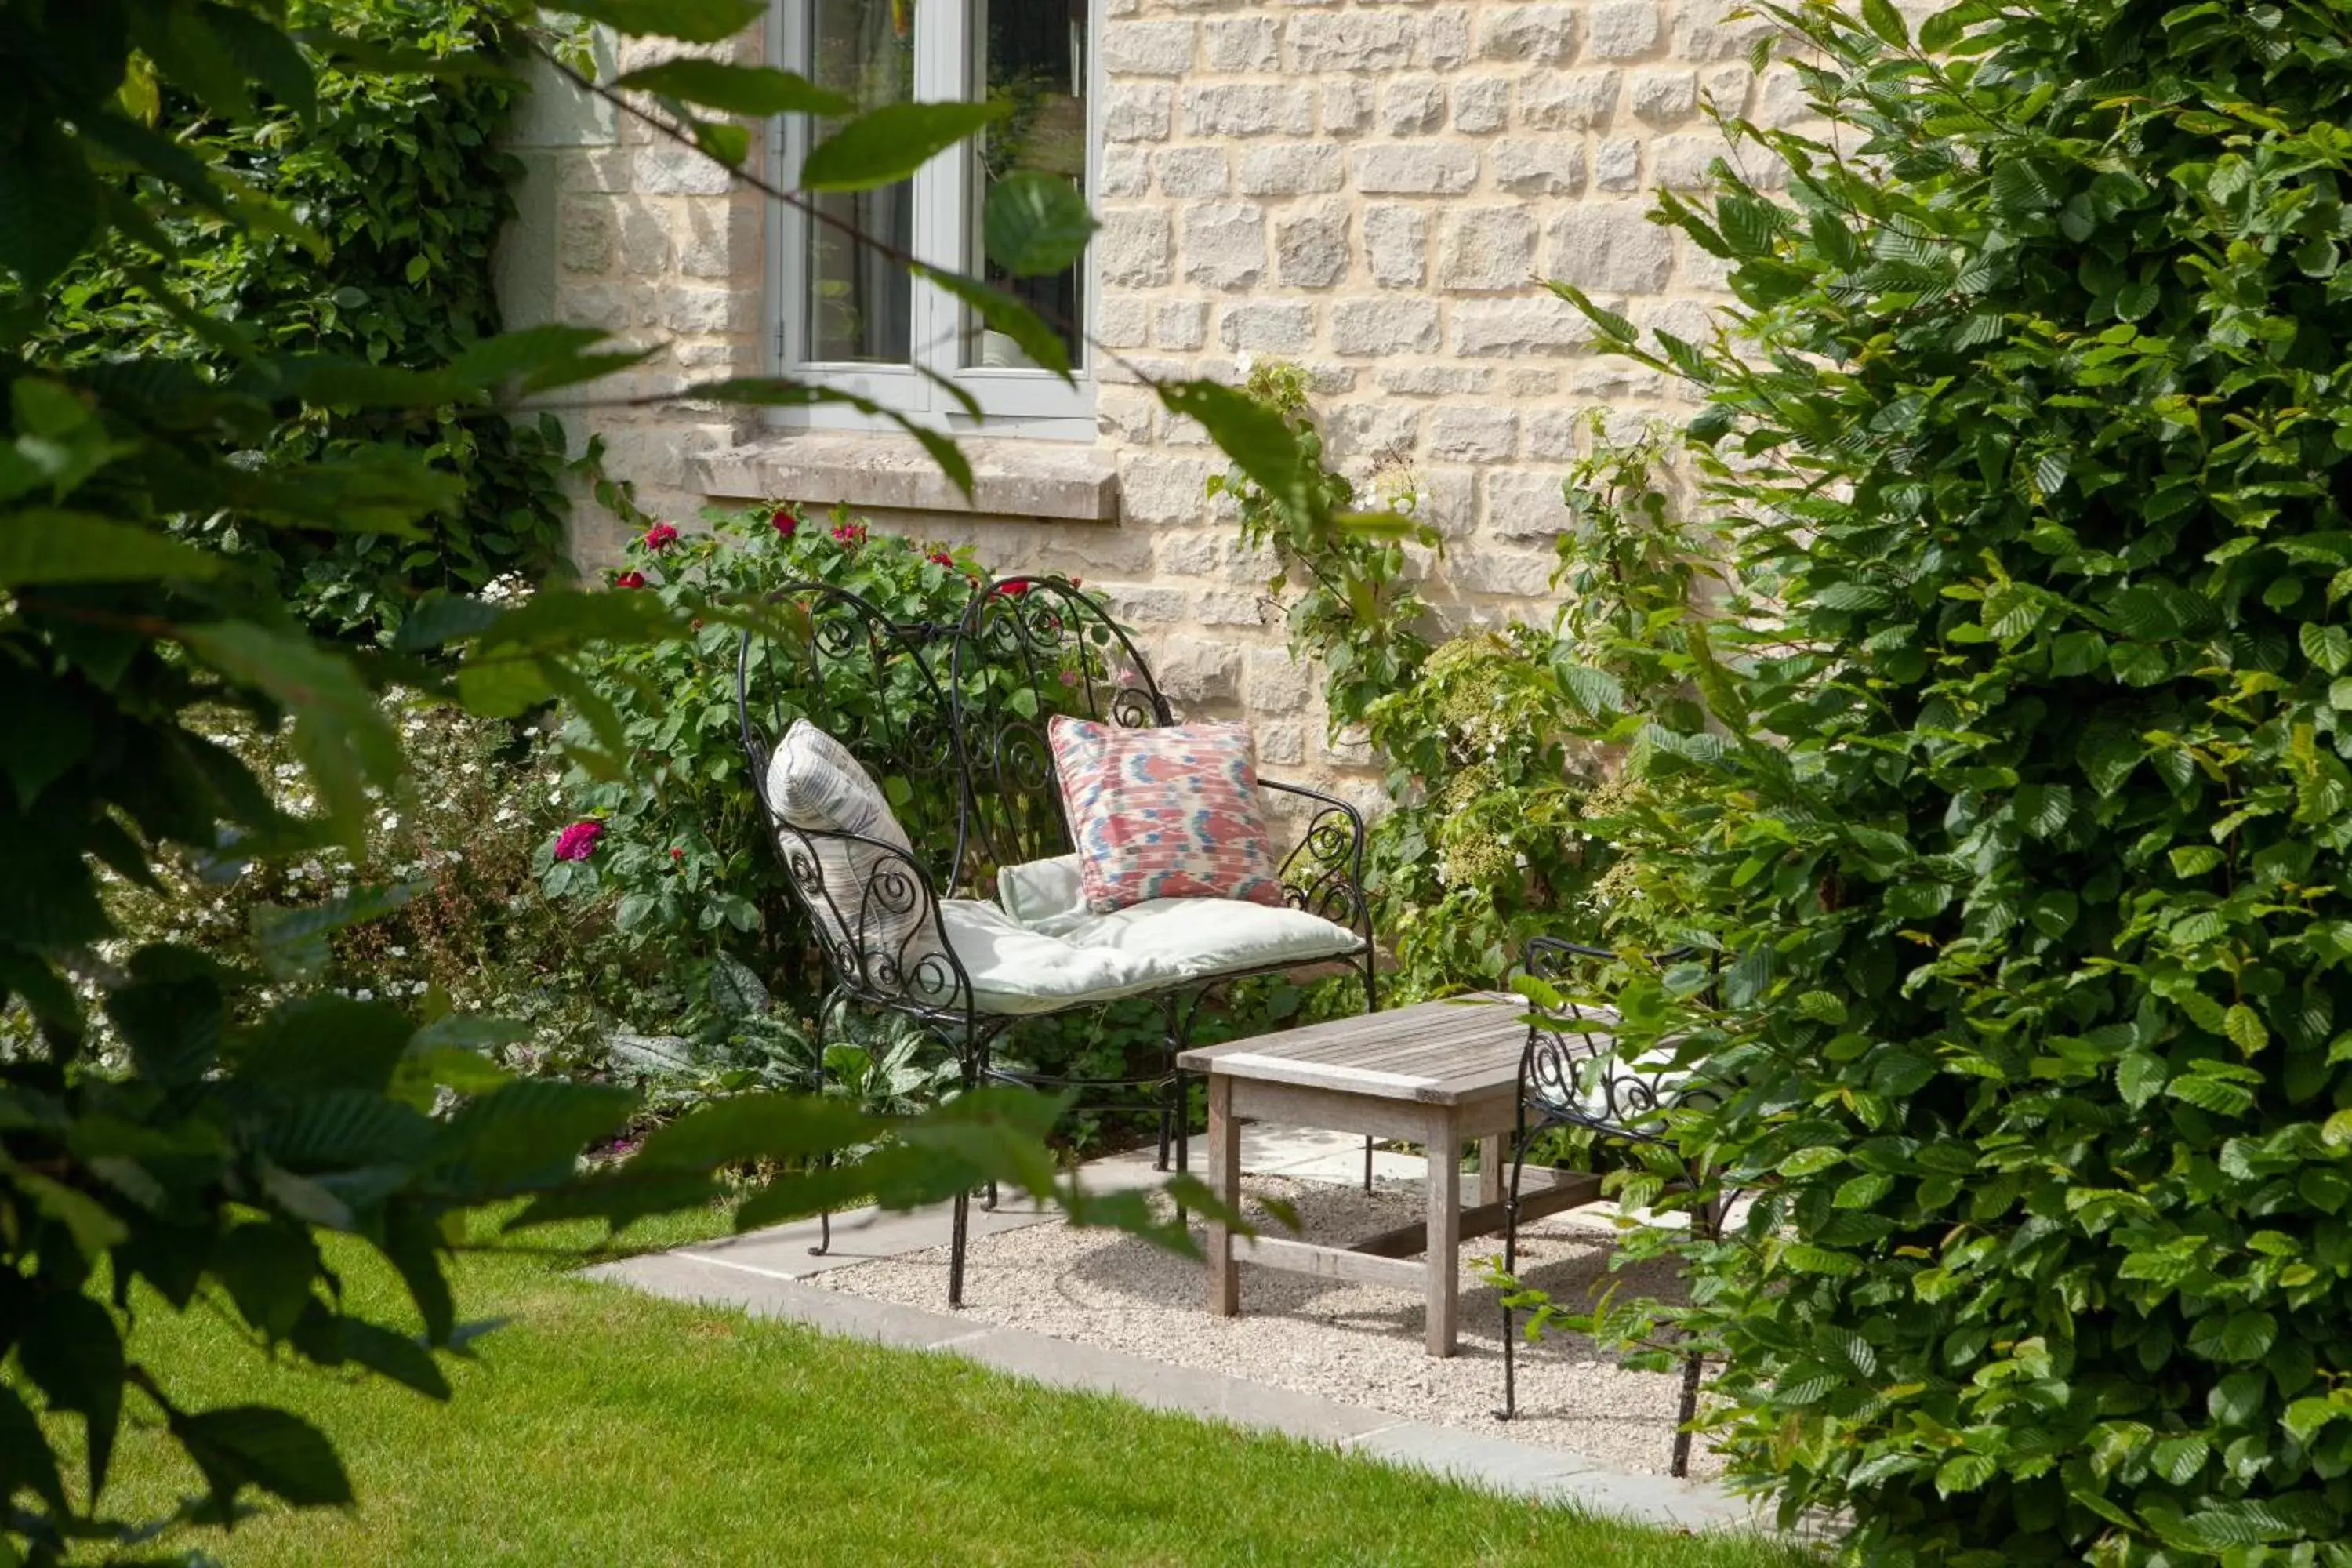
(1489, 1461)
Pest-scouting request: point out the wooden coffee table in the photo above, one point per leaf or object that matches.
(1438, 1074)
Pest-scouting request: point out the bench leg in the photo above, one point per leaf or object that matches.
(1444, 1258)
(1225, 1177)
(1490, 1169)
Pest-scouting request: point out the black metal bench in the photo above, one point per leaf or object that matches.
(1571, 1076)
(951, 718)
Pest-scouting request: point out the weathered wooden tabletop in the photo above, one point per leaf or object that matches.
(1435, 1053)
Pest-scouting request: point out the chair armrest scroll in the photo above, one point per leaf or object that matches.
(1324, 871)
(872, 928)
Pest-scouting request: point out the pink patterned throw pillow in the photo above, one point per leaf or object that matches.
(1163, 813)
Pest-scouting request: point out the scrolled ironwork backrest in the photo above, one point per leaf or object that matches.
(1031, 647)
(1571, 1063)
(874, 685)
(1324, 871)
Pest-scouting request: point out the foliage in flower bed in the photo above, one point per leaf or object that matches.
(403, 174)
(2022, 831)
(465, 926)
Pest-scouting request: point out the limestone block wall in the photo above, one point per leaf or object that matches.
(1369, 188)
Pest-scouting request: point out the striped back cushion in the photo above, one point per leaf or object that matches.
(1163, 813)
(866, 904)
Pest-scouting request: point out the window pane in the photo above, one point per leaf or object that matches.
(861, 303)
(1033, 56)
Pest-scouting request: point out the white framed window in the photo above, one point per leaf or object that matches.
(852, 315)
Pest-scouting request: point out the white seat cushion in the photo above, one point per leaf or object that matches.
(1015, 970)
(1049, 896)
(1195, 938)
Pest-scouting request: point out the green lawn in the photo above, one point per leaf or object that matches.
(601, 1427)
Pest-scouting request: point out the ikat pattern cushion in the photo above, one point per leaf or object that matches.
(1163, 813)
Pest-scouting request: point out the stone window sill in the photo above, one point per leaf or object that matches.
(1049, 480)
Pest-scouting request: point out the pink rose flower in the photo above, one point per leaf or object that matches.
(578, 841)
(660, 537)
(850, 534)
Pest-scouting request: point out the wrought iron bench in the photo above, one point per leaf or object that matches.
(950, 720)
(1571, 1076)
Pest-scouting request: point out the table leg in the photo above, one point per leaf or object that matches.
(1490, 1169)
(1444, 1258)
(1225, 1179)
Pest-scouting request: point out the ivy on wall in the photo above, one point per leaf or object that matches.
(402, 177)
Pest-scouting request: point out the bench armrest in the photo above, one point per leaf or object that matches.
(1323, 873)
(883, 935)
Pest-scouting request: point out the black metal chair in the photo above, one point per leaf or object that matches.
(965, 730)
(1571, 1077)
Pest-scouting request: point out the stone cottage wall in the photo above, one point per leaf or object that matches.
(1371, 190)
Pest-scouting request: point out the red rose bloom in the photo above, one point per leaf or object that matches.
(675, 853)
(849, 533)
(941, 558)
(1013, 590)
(578, 841)
(786, 521)
(630, 580)
(660, 537)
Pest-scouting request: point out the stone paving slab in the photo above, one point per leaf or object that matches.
(1498, 1463)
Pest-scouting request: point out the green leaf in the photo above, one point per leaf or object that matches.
(68, 1347)
(888, 144)
(1821, 1007)
(1962, 1472)
(2330, 648)
(754, 1127)
(1881, 19)
(728, 143)
(2177, 1459)
(2139, 1077)
(44, 544)
(2245, 1028)
(1939, 32)
(1260, 442)
(527, 1135)
(48, 205)
(693, 21)
(1035, 223)
(757, 91)
(340, 732)
(1000, 311)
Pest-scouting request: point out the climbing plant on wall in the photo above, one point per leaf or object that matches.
(400, 172)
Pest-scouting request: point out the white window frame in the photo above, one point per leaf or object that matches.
(1030, 402)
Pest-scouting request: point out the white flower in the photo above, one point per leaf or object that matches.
(399, 952)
